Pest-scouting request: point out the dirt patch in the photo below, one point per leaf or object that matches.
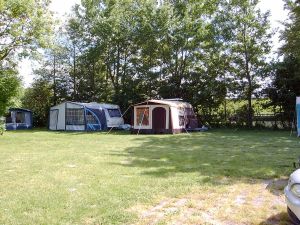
(238, 204)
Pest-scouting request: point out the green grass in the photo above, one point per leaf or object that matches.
(95, 178)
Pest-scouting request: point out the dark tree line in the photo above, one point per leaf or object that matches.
(126, 51)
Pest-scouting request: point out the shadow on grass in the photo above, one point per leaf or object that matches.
(278, 219)
(224, 153)
(39, 130)
(34, 130)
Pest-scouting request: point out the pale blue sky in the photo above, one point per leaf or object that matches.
(61, 7)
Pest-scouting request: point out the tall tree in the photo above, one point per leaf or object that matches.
(38, 98)
(9, 83)
(286, 76)
(24, 25)
(285, 86)
(290, 35)
(248, 46)
(200, 50)
(54, 69)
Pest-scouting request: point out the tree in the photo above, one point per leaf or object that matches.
(290, 35)
(38, 99)
(9, 83)
(285, 87)
(248, 45)
(24, 25)
(55, 68)
(126, 51)
(285, 84)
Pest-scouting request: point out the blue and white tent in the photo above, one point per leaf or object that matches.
(77, 116)
(18, 119)
(298, 114)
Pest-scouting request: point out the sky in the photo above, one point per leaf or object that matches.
(63, 7)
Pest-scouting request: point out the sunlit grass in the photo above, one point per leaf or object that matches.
(94, 178)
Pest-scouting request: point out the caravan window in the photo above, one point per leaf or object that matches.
(75, 117)
(114, 112)
(142, 114)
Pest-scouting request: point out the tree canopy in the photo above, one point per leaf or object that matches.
(207, 52)
(125, 51)
(24, 26)
(285, 84)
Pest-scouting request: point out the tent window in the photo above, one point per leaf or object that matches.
(20, 118)
(189, 111)
(8, 118)
(90, 118)
(114, 112)
(75, 117)
(181, 120)
(142, 114)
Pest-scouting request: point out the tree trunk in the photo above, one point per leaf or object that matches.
(74, 73)
(225, 102)
(54, 80)
(93, 88)
(249, 95)
(248, 77)
(249, 116)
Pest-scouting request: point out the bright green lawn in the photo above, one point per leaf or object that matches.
(94, 178)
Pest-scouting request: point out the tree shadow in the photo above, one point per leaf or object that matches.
(45, 130)
(236, 155)
(277, 219)
(34, 130)
(277, 186)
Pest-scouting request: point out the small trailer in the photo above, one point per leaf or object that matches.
(18, 119)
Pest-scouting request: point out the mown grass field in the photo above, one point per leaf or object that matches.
(216, 177)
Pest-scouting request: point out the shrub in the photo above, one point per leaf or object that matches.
(2, 126)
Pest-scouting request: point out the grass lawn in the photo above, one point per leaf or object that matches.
(217, 177)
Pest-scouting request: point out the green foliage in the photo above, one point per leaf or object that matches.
(126, 51)
(285, 86)
(2, 125)
(290, 35)
(38, 99)
(248, 41)
(9, 83)
(286, 76)
(129, 51)
(24, 26)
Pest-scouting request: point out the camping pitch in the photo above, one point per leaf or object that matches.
(163, 116)
(76, 116)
